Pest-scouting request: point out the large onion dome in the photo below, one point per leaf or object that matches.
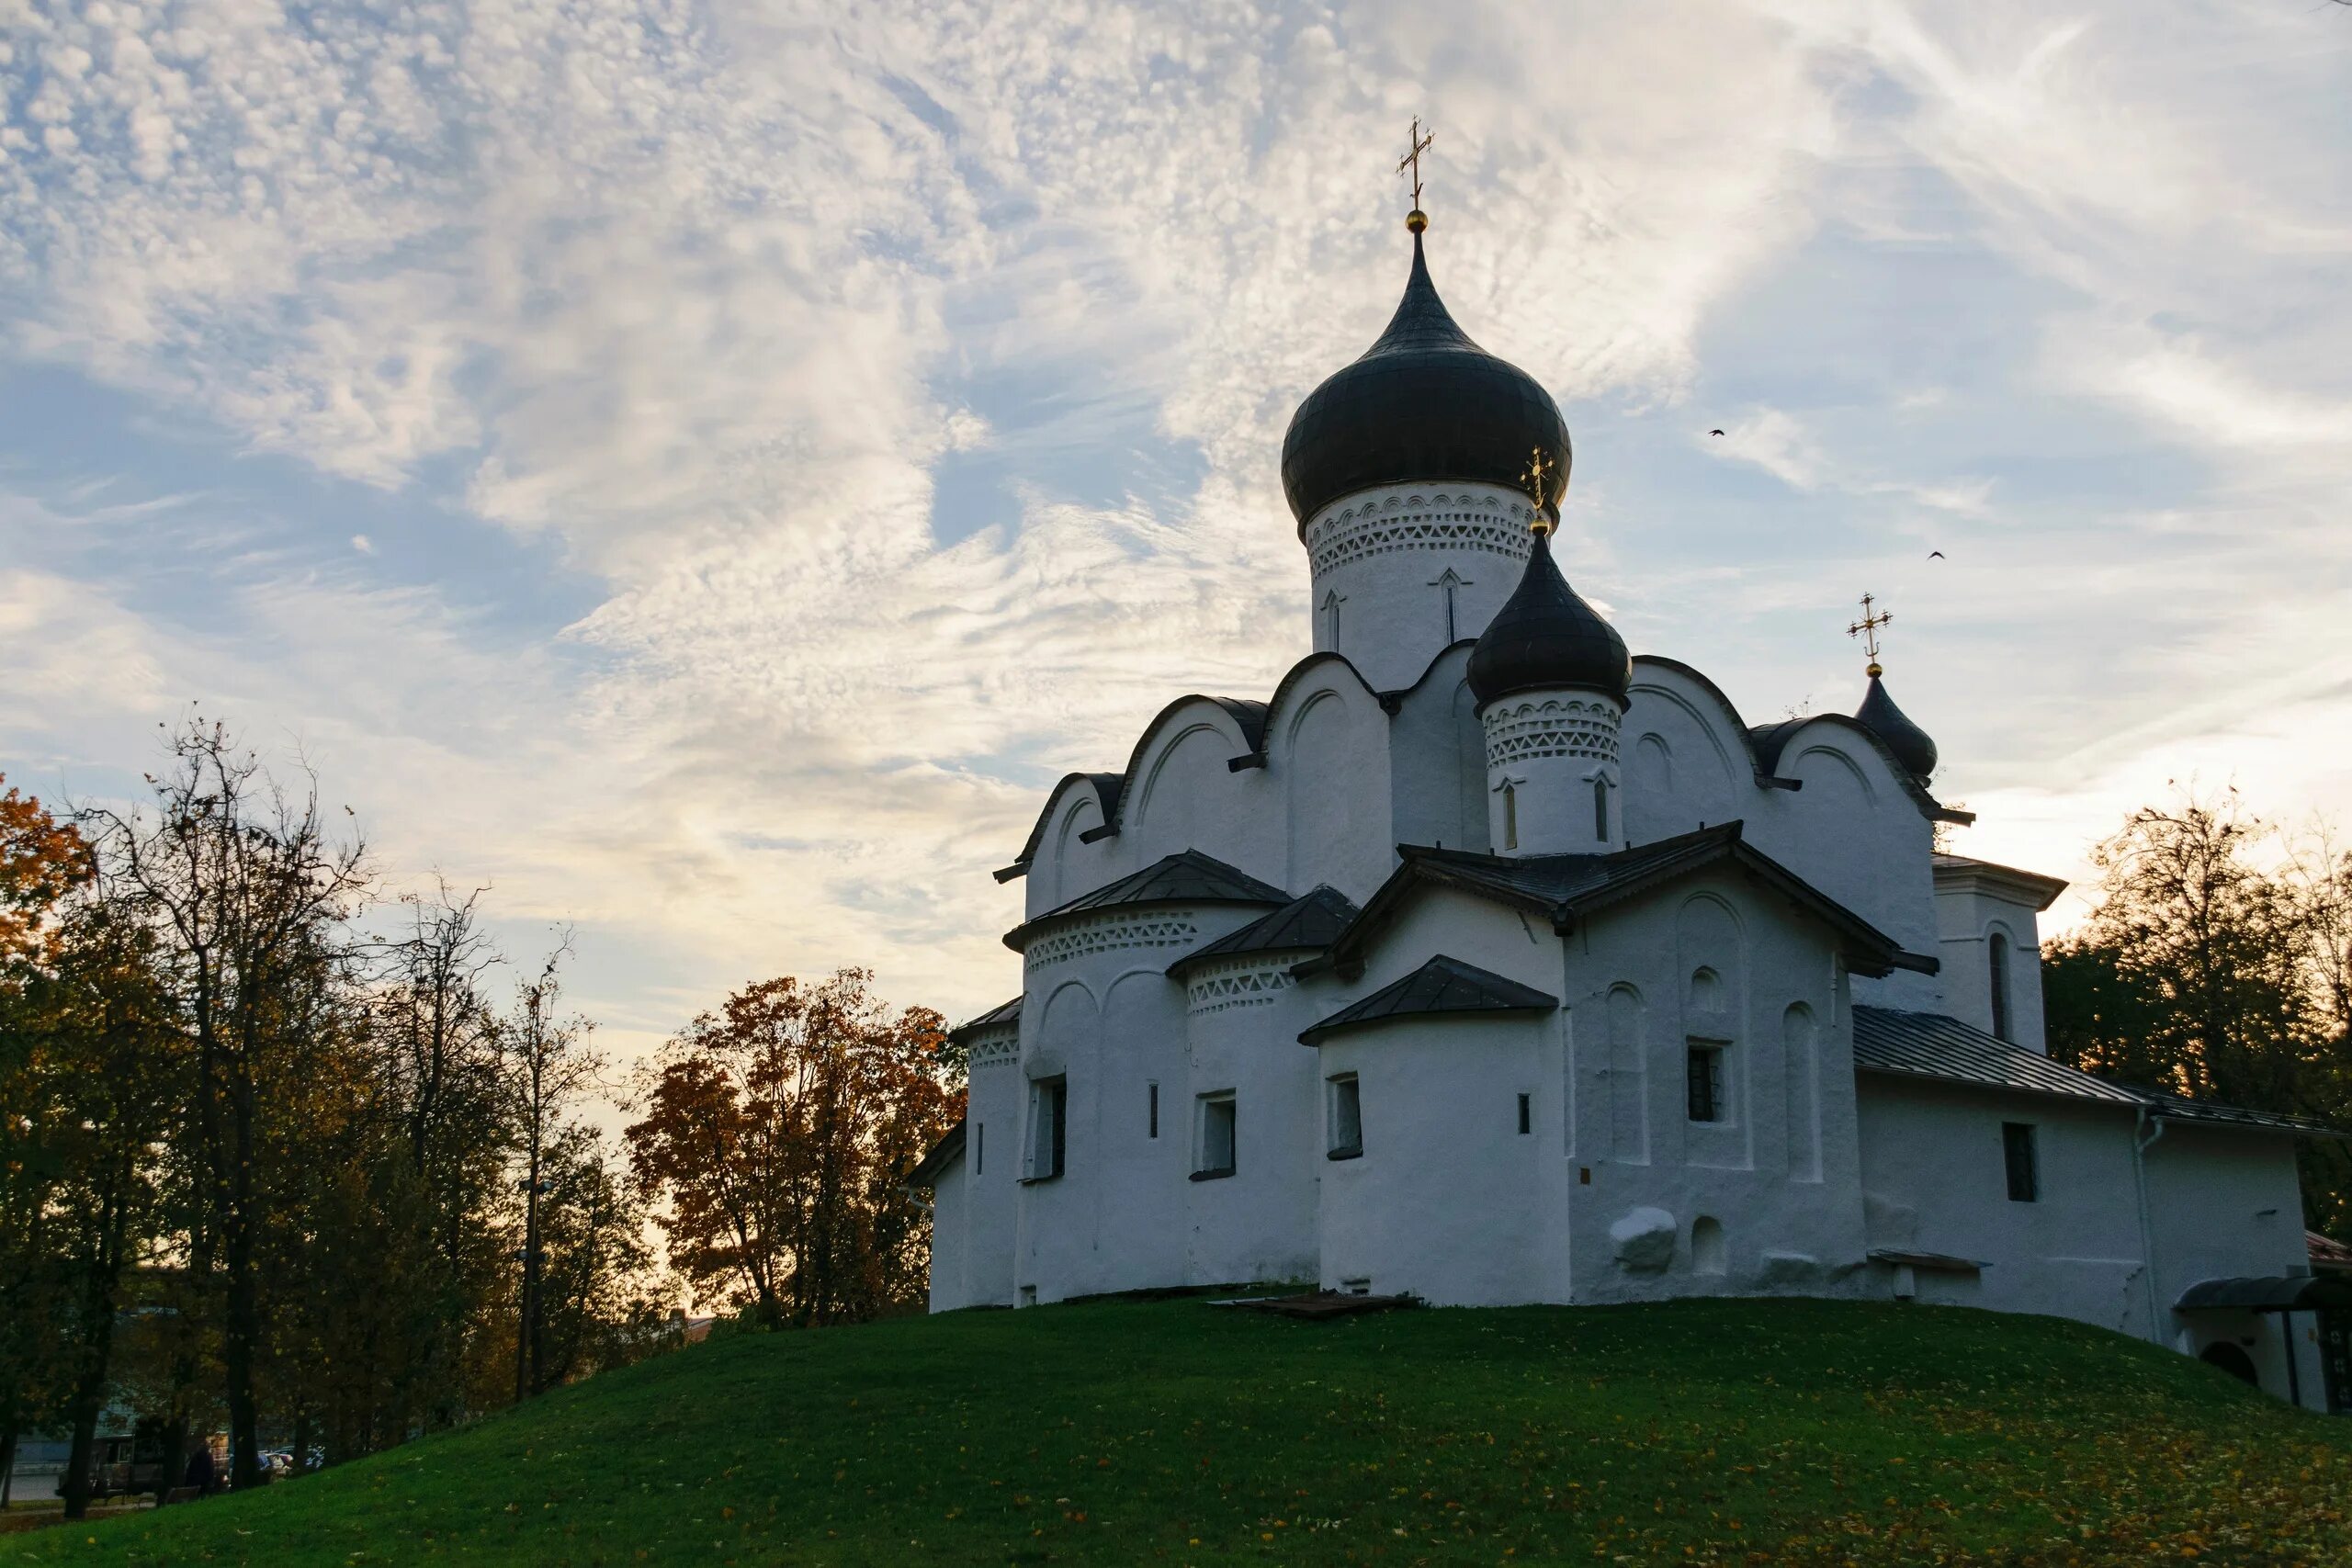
(1424, 405)
(1911, 745)
(1544, 637)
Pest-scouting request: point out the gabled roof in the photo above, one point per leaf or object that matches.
(1187, 876)
(944, 1153)
(2327, 1253)
(1569, 889)
(1002, 1015)
(1443, 985)
(1307, 924)
(1930, 1046)
(1108, 788)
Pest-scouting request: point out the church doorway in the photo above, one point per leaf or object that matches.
(2233, 1360)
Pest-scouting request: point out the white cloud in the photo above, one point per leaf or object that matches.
(702, 295)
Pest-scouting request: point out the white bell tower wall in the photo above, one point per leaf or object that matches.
(1402, 572)
(1554, 786)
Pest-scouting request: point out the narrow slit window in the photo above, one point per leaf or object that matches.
(1510, 814)
(1600, 809)
(1216, 1137)
(2018, 1154)
(1346, 1141)
(980, 1147)
(1049, 1127)
(1151, 1113)
(1997, 961)
(1706, 1083)
(1526, 1114)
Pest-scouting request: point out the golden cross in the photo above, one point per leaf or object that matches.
(1412, 160)
(1536, 479)
(1867, 629)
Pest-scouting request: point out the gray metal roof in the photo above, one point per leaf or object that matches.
(2291, 1292)
(944, 1153)
(998, 1016)
(1307, 924)
(1443, 985)
(2178, 1108)
(1930, 1046)
(1187, 876)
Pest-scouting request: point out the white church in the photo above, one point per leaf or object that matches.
(1484, 963)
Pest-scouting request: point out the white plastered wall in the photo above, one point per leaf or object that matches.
(1935, 1180)
(1379, 561)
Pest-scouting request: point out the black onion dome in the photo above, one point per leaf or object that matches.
(1423, 404)
(1911, 745)
(1545, 636)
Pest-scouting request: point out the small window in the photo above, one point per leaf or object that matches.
(1151, 1113)
(1510, 816)
(1526, 1114)
(1706, 1083)
(2018, 1154)
(1600, 809)
(1346, 1119)
(1996, 954)
(1049, 1127)
(980, 1147)
(1216, 1137)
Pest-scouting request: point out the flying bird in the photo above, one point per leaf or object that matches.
(1935, 555)
(1714, 432)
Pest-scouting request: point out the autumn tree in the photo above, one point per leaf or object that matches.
(2204, 972)
(41, 859)
(248, 885)
(778, 1132)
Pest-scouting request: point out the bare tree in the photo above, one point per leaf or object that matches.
(548, 1067)
(247, 886)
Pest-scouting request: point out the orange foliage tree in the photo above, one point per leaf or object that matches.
(40, 859)
(780, 1131)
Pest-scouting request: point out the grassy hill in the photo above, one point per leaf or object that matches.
(1727, 1432)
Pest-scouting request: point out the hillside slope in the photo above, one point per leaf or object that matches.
(1734, 1431)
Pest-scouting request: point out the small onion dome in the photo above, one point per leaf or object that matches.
(1423, 405)
(1545, 636)
(1910, 744)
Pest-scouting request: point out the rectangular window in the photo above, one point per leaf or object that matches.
(980, 1147)
(1049, 1127)
(1216, 1152)
(1600, 809)
(1152, 1114)
(1346, 1119)
(1526, 1114)
(2017, 1154)
(1706, 1083)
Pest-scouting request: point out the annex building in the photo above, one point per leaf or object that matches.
(1481, 962)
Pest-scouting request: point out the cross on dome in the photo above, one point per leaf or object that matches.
(1419, 142)
(1867, 629)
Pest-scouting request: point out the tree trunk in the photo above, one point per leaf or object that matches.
(74, 1486)
(242, 1330)
(8, 1467)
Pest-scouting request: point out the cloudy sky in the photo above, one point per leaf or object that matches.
(703, 469)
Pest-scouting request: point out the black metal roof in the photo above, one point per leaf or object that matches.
(1443, 985)
(1566, 888)
(1307, 924)
(1187, 876)
(1545, 636)
(1422, 403)
(997, 1017)
(1928, 1044)
(944, 1153)
(2289, 1292)
(1910, 744)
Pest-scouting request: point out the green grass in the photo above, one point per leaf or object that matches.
(1730, 1431)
